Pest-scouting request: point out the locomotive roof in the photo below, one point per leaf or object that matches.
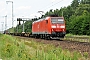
(45, 19)
(39, 20)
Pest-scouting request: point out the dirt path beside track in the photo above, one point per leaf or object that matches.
(64, 44)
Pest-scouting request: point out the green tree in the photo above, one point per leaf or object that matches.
(75, 3)
(85, 1)
(81, 8)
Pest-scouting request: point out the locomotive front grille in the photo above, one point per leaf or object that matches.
(58, 34)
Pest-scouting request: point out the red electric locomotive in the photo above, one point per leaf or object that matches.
(49, 27)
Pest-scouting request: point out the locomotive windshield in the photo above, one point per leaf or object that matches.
(57, 20)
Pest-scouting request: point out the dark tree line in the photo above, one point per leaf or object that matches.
(77, 17)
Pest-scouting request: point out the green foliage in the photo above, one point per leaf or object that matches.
(27, 27)
(81, 8)
(13, 49)
(85, 1)
(75, 3)
(79, 25)
(10, 49)
(77, 17)
(86, 55)
(40, 51)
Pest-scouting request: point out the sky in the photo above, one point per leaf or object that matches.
(26, 9)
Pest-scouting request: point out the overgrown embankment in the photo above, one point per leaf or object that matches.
(12, 48)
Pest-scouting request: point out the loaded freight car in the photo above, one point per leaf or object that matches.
(49, 27)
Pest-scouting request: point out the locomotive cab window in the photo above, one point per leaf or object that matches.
(61, 21)
(57, 20)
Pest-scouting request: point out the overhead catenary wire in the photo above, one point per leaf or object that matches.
(49, 6)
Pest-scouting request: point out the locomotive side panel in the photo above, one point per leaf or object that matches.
(35, 27)
(42, 27)
(49, 27)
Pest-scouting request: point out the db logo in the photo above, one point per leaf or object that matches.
(57, 26)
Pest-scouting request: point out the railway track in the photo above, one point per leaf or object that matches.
(71, 38)
(74, 45)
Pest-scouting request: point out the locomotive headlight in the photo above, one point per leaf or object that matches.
(62, 26)
(53, 26)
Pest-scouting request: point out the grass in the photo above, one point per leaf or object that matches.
(69, 35)
(12, 48)
(50, 52)
(80, 38)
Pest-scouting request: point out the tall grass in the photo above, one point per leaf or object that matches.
(12, 48)
(50, 52)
